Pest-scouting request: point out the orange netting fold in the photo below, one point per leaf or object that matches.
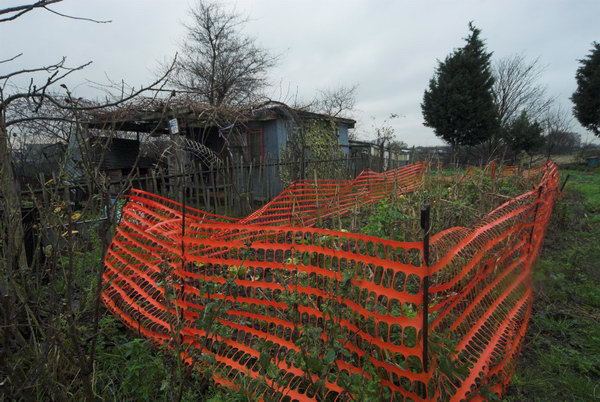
(255, 289)
(480, 289)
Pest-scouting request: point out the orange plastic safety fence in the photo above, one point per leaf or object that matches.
(481, 287)
(503, 172)
(271, 277)
(306, 201)
(269, 280)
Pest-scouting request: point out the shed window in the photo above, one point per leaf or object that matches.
(254, 149)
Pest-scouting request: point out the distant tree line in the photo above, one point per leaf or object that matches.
(499, 110)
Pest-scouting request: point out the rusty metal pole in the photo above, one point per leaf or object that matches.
(564, 183)
(426, 226)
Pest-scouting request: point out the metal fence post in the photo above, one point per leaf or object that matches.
(426, 226)
(183, 261)
(564, 183)
(535, 213)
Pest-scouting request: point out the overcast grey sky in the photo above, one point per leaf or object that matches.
(389, 48)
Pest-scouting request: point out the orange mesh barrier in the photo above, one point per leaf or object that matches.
(509, 170)
(272, 277)
(481, 286)
(306, 201)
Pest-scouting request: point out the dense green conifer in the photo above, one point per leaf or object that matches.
(458, 104)
(586, 99)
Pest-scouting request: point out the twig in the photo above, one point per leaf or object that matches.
(11, 59)
(500, 195)
(78, 18)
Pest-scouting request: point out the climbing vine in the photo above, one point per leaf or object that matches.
(313, 150)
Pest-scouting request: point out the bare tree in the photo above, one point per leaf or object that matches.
(50, 311)
(559, 135)
(36, 93)
(562, 142)
(517, 89)
(33, 100)
(337, 102)
(385, 135)
(29, 315)
(219, 64)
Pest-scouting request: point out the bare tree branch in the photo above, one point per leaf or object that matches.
(517, 89)
(337, 102)
(559, 138)
(22, 9)
(38, 118)
(70, 104)
(39, 92)
(18, 11)
(11, 59)
(79, 18)
(48, 69)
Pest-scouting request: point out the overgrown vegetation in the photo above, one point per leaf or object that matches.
(560, 358)
(458, 197)
(46, 361)
(313, 142)
(127, 367)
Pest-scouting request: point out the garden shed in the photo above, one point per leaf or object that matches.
(249, 139)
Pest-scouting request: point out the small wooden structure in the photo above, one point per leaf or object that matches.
(216, 139)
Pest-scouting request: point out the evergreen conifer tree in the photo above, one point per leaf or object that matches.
(523, 134)
(458, 104)
(586, 99)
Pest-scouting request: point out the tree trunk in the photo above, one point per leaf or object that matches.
(454, 156)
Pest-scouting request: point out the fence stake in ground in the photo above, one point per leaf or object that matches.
(426, 226)
(535, 213)
(564, 183)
